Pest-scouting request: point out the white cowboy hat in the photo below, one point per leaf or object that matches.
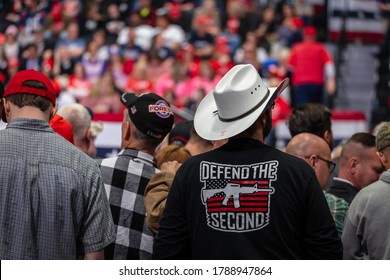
(235, 104)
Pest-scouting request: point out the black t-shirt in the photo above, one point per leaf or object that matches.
(246, 200)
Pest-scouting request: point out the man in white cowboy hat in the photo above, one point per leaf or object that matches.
(244, 200)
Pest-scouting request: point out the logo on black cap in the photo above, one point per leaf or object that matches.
(161, 109)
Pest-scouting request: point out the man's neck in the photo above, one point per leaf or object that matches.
(197, 149)
(146, 150)
(343, 180)
(28, 112)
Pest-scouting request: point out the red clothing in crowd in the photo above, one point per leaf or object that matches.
(138, 85)
(62, 127)
(78, 87)
(308, 59)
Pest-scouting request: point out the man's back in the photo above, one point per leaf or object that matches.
(125, 178)
(53, 204)
(366, 230)
(308, 60)
(246, 200)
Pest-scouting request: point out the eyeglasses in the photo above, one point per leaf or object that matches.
(331, 165)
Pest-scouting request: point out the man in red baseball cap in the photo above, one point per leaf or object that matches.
(53, 201)
(23, 88)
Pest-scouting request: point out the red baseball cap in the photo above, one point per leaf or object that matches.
(310, 31)
(15, 86)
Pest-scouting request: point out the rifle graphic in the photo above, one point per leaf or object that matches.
(232, 190)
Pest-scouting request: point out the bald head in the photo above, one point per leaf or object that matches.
(305, 144)
(315, 151)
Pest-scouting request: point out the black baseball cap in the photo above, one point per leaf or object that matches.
(151, 114)
(180, 133)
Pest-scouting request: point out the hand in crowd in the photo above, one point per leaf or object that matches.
(331, 86)
(170, 166)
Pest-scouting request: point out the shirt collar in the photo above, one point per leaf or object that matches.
(342, 180)
(30, 124)
(242, 144)
(139, 155)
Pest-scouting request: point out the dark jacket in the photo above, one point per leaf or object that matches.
(342, 189)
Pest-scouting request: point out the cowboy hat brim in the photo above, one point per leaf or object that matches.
(209, 126)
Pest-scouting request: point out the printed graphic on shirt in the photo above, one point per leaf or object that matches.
(237, 197)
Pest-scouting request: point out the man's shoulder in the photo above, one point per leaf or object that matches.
(111, 164)
(369, 199)
(110, 161)
(338, 185)
(74, 156)
(342, 189)
(375, 191)
(141, 163)
(335, 200)
(261, 155)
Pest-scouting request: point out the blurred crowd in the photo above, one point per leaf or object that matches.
(99, 56)
(94, 50)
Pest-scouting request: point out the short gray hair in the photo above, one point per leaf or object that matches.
(146, 140)
(78, 116)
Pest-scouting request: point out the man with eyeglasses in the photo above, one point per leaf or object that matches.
(359, 166)
(366, 233)
(315, 151)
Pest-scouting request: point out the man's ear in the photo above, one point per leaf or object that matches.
(126, 134)
(328, 136)
(127, 131)
(353, 163)
(383, 158)
(89, 137)
(6, 107)
(53, 111)
(313, 161)
(262, 120)
(89, 134)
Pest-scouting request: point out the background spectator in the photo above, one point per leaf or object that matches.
(359, 167)
(127, 174)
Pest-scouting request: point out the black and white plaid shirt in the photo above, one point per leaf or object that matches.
(125, 178)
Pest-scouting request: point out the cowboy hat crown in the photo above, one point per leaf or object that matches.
(238, 99)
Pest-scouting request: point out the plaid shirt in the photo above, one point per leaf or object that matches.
(125, 178)
(338, 208)
(52, 199)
